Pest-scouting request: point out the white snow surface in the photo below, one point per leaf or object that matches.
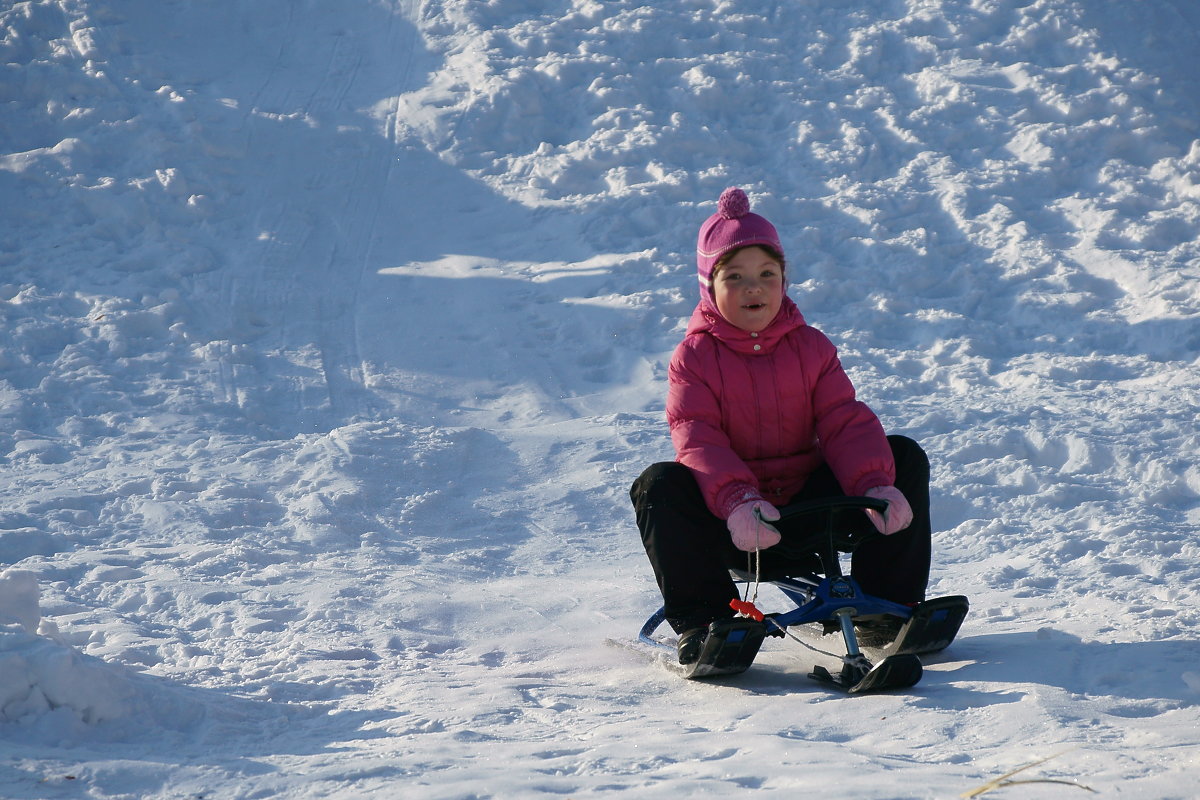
(334, 333)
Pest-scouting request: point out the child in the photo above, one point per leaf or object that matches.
(762, 414)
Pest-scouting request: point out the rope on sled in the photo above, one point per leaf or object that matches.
(754, 567)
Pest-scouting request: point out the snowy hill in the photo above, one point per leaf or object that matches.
(333, 334)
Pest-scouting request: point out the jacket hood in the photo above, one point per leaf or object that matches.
(706, 319)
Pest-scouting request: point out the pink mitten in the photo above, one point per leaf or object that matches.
(896, 517)
(748, 526)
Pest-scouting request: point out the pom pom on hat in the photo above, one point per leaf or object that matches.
(733, 203)
(732, 227)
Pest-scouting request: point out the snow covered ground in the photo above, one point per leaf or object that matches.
(333, 334)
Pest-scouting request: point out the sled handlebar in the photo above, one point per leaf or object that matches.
(828, 504)
(829, 537)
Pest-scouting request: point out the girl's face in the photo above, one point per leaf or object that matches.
(748, 289)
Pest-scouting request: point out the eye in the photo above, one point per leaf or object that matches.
(731, 276)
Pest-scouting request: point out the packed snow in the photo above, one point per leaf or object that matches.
(334, 334)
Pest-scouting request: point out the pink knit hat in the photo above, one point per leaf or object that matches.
(733, 226)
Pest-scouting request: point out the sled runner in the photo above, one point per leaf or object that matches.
(834, 601)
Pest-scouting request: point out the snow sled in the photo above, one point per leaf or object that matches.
(837, 603)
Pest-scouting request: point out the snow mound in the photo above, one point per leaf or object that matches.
(53, 692)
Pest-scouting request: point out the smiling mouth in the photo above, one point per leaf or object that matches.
(754, 306)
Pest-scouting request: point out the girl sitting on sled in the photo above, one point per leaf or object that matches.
(761, 415)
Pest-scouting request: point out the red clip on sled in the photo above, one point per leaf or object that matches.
(747, 609)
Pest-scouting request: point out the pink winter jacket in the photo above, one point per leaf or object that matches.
(754, 414)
